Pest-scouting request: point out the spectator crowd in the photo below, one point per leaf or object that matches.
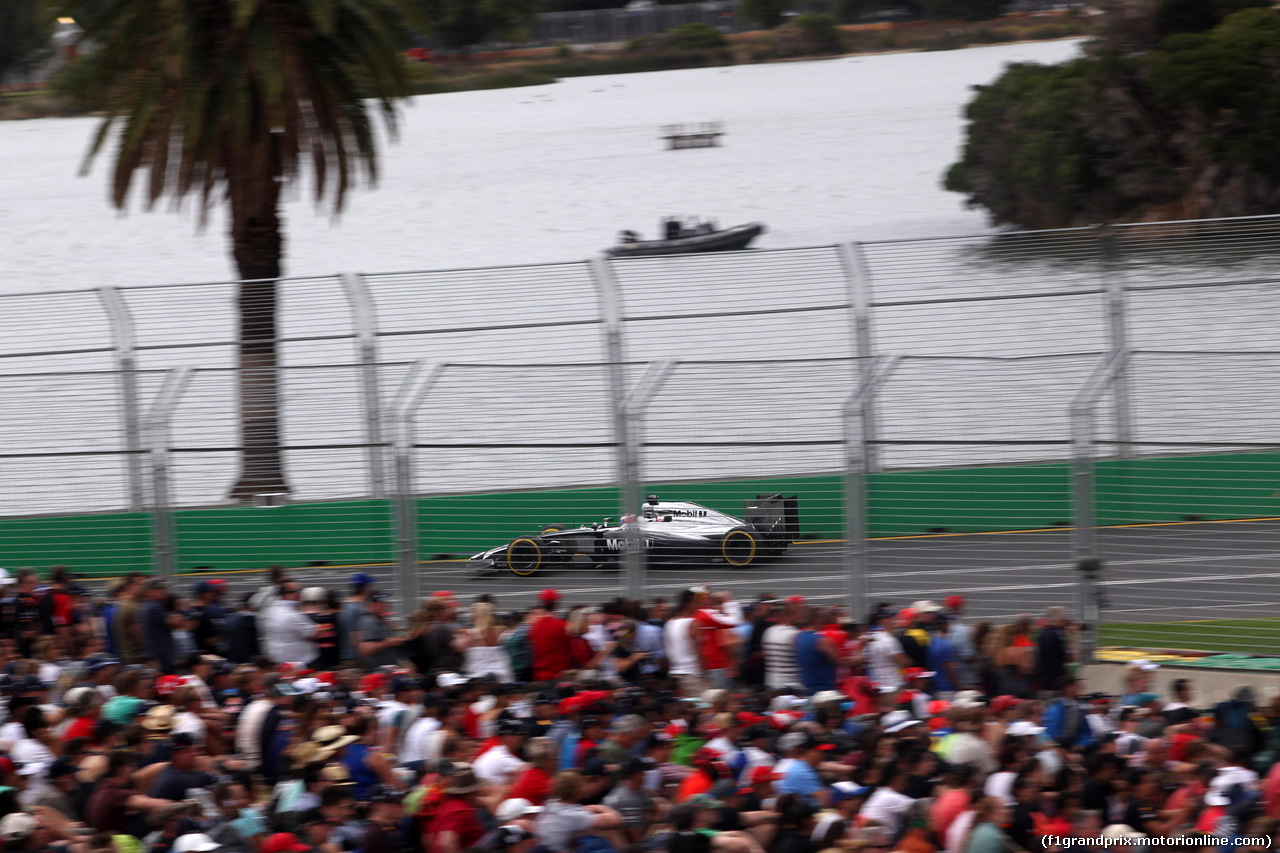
(303, 719)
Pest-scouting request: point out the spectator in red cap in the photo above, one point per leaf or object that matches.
(962, 638)
(210, 617)
(284, 842)
(548, 638)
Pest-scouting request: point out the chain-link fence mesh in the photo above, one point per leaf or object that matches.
(1047, 397)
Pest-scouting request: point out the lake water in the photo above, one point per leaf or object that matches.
(821, 151)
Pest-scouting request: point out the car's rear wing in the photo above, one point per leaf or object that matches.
(774, 515)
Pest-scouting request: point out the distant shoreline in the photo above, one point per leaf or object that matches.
(546, 65)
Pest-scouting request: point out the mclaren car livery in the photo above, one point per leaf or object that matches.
(671, 532)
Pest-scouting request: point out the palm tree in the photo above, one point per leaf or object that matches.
(226, 100)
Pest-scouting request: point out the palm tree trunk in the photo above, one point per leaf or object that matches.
(257, 243)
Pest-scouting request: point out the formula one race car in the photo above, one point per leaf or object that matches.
(670, 532)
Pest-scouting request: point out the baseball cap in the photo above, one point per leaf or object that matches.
(62, 766)
(795, 599)
(1144, 665)
(194, 842)
(17, 826)
(385, 794)
(593, 767)
(314, 593)
(402, 683)
(893, 718)
(953, 602)
(905, 724)
(209, 585)
(182, 740)
(450, 679)
(1023, 728)
(517, 807)
(361, 580)
(283, 842)
(549, 595)
(760, 775)
(705, 801)
(917, 672)
(636, 764)
(511, 726)
(847, 790)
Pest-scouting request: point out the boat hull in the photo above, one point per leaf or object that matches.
(729, 239)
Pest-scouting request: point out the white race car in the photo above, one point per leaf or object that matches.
(670, 532)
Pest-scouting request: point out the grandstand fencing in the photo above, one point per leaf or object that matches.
(980, 415)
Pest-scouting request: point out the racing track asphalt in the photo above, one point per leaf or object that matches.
(1156, 573)
(1206, 570)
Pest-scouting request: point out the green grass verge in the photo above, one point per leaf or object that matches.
(1242, 636)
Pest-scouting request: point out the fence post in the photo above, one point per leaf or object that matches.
(1084, 544)
(626, 454)
(857, 276)
(156, 427)
(417, 383)
(856, 552)
(1118, 336)
(365, 318)
(122, 332)
(633, 406)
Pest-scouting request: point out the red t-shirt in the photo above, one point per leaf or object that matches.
(1271, 792)
(549, 645)
(80, 727)
(695, 783)
(534, 785)
(947, 808)
(454, 815)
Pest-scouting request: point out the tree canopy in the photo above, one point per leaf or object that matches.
(24, 37)
(230, 100)
(462, 23)
(1187, 128)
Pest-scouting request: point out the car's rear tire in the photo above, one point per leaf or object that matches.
(524, 557)
(738, 547)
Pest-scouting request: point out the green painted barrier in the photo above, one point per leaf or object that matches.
(97, 545)
(909, 503)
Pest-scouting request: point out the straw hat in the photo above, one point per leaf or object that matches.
(305, 753)
(330, 739)
(464, 782)
(336, 773)
(159, 718)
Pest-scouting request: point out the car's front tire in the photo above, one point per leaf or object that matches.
(524, 557)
